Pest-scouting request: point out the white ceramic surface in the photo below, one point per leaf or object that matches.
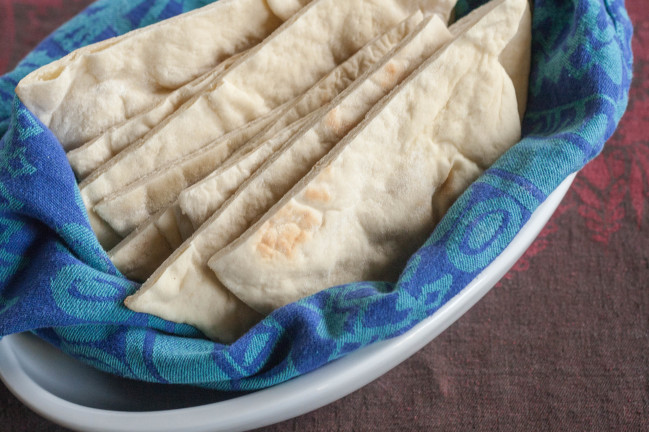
(81, 398)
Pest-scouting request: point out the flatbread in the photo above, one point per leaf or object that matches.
(125, 210)
(146, 248)
(90, 156)
(319, 37)
(199, 202)
(366, 207)
(274, 178)
(129, 207)
(314, 41)
(101, 85)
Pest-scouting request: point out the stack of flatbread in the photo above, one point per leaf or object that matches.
(299, 145)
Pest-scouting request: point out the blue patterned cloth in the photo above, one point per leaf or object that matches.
(56, 281)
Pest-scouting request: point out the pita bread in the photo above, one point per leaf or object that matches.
(198, 203)
(143, 246)
(101, 85)
(366, 207)
(125, 210)
(146, 248)
(275, 177)
(90, 156)
(131, 206)
(304, 49)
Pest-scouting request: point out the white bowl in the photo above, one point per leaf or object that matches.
(79, 397)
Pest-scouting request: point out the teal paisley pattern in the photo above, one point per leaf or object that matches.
(56, 281)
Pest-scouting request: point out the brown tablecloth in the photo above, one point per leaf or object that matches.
(561, 344)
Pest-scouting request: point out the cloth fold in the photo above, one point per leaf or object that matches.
(56, 281)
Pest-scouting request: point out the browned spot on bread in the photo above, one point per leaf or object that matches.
(290, 227)
(337, 123)
(268, 240)
(391, 75)
(334, 122)
(314, 193)
(288, 237)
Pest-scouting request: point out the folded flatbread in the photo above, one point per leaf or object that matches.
(128, 208)
(319, 37)
(200, 201)
(366, 207)
(274, 178)
(131, 206)
(101, 85)
(90, 156)
(146, 248)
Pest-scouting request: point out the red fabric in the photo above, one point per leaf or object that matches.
(560, 344)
